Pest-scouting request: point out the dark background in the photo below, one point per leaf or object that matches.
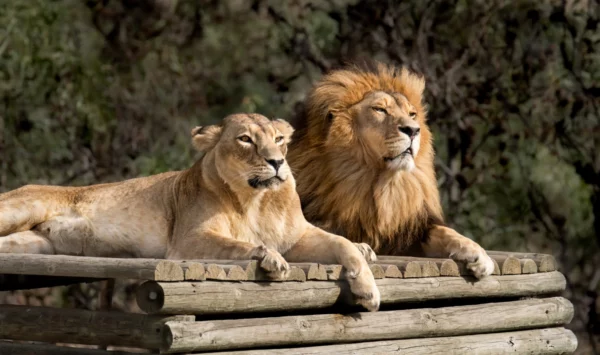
(97, 91)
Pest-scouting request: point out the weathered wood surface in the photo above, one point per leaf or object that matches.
(225, 297)
(9, 348)
(91, 267)
(550, 341)
(337, 328)
(56, 325)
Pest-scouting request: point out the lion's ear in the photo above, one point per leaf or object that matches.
(205, 138)
(285, 128)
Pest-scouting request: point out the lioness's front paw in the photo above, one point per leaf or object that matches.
(476, 260)
(273, 263)
(366, 251)
(364, 289)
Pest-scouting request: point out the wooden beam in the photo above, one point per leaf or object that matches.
(57, 325)
(224, 297)
(9, 348)
(91, 267)
(549, 341)
(402, 324)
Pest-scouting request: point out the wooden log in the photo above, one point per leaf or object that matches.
(377, 271)
(401, 324)
(509, 265)
(215, 272)
(9, 348)
(391, 271)
(57, 325)
(91, 267)
(219, 297)
(549, 341)
(528, 266)
(195, 272)
(10, 282)
(544, 262)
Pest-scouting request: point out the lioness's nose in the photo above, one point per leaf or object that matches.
(275, 163)
(409, 131)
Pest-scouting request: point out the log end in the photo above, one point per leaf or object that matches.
(316, 272)
(412, 270)
(195, 272)
(528, 266)
(511, 266)
(449, 268)
(377, 271)
(392, 272)
(429, 269)
(150, 297)
(236, 273)
(168, 271)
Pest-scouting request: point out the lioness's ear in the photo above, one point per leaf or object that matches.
(285, 128)
(205, 138)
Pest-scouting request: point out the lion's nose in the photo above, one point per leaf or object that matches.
(409, 131)
(275, 163)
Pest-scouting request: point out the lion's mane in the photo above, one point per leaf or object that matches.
(339, 190)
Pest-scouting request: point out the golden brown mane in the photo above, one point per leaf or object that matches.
(339, 188)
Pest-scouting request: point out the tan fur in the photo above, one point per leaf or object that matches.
(348, 179)
(233, 203)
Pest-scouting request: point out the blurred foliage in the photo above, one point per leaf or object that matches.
(103, 90)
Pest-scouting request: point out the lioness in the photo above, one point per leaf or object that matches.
(363, 161)
(238, 201)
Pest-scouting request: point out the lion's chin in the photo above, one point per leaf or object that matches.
(270, 183)
(402, 162)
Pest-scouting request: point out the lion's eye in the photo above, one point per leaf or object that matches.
(412, 114)
(245, 139)
(380, 109)
(278, 139)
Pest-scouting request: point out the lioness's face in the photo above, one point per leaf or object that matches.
(388, 122)
(250, 149)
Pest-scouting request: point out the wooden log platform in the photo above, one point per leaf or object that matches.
(463, 320)
(89, 268)
(337, 328)
(209, 297)
(549, 341)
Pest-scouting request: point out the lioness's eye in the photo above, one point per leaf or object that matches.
(412, 114)
(278, 139)
(380, 109)
(245, 139)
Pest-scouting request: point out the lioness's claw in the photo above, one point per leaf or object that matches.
(275, 265)
(366, 251)
(364, 289)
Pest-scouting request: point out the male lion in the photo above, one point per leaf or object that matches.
(238, 201)
(363, 161)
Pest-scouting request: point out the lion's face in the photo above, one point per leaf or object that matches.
(388, 122)
(249, 150)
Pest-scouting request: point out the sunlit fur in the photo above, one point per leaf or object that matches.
(344, 182)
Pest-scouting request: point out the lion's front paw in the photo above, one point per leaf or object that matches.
(364, 289)
(366, 251)
(273, 263)
(476, 260)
